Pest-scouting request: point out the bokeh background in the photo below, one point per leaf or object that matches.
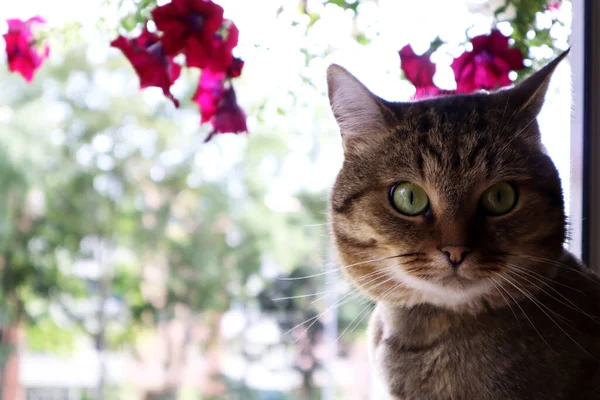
(140, 263)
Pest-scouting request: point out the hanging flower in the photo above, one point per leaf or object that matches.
(222, 46)
(487, 65)
(235, 69)
(189, 26)
(553, 8)
(24, 57)
(419, 70)
(229, 118)
(211, 88)
(153, 67)
(209, 93)
(554, 5)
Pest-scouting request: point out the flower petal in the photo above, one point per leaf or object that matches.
(487, 66)
(230, 118)
(419, 70)
(153, 67)
(182, 20)
(197, 52)
(222, 47)
(23, 56)
(209, 93)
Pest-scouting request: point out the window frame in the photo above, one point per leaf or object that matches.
(583, 229)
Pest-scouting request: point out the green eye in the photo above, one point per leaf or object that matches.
(499, 199)
(409, 198)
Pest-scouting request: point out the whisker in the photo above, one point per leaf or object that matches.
(517, 135)
(383, 296)
(325, 296)
(541, 277)
(524, 313)
(365, 277)
(349, 266)
(494, 284)
(415, 261)
(348, 297)
(390, 290)
(313, 225)
(363, 318)
(571, 305)
(537, 303)
(558, 264)
(533, 298)
(302, 296)
(352, 322)
(339, 303)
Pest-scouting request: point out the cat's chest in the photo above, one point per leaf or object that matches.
(437, 356)
(431, 355)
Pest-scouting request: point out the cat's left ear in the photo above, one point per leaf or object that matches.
(363, 117)
(528, 96)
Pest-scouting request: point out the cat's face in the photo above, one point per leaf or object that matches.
(448, 201)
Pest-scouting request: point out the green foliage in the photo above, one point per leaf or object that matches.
(134, 20)
(114, 182)
(345, 4)
(526, 34)
(46, 335)
(524, 20)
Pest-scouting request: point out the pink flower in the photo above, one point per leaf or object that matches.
(209, 93)
(197, 28)
(229, 118)
(235, 68)
(223, 42)
(190, 26)
(554, 5)
(153, 67)
(427, 92)
(419, 70)
(487, 65)
(23, 55)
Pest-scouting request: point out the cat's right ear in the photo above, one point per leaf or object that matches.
(363, 118)
(527, 97)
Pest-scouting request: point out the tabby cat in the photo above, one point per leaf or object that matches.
(448, 212)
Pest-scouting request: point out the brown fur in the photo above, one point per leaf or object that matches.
(520, 317)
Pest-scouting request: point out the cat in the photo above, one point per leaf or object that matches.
(449, 214)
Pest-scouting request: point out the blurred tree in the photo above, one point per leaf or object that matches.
(104, 192)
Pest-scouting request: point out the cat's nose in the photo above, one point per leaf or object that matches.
(455, 254)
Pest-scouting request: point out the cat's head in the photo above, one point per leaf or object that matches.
(447, 201)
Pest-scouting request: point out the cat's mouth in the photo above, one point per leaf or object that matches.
(446, 286)
(454, 278)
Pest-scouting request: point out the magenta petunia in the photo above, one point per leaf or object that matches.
(153, 67)
(419, 70)
(235, 68)
(189, 26)
(209, 93)
(229, 118)
(222, 46)
(486, 66)
(554, 5)
(426, 92)
(23, 53)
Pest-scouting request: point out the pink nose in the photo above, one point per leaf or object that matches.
(455, 254)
